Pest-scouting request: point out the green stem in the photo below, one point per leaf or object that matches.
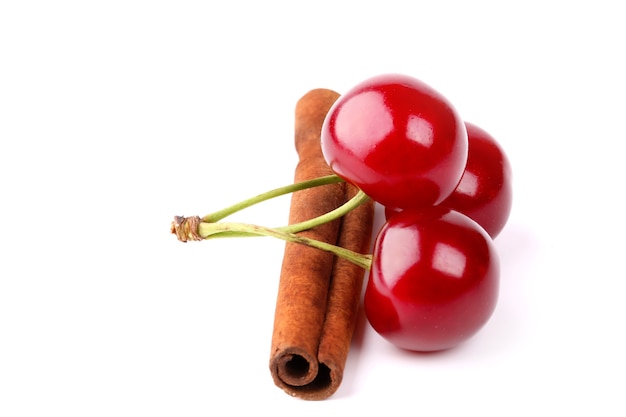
(277, 192)
(196, 228)
(205, 230)
(335, 214)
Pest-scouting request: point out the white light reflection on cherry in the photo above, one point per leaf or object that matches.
(449, 260)
(365, 120)
(419, 130)
(468, 184)
(402, 250)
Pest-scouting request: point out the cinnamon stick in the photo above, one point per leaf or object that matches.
(318, 294)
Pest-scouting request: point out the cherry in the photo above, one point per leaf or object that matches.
(433, 281)
(398, 140)
(485, 190)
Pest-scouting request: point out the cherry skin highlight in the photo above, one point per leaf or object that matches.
(398, 140)
(434, 279)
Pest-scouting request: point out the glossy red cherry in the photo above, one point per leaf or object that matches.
(485, 190)
(398, 140)
(434, 279)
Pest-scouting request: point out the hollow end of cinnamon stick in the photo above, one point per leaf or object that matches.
(291, 370)
(295, 367)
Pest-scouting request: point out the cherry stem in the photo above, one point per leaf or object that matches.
(340, 211)
(205, 230)
(335, 214)
(209, 226)
(277, 192)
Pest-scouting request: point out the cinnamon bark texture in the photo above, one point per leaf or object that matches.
(318, 294)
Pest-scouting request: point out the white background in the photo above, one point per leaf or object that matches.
(115, 116)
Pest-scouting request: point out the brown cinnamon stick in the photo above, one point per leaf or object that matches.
(318, 295)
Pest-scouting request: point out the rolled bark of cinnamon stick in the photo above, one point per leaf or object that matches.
(318, 293)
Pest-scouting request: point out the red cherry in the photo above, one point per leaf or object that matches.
(485, 190)
(434, 279)
(398, 140)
